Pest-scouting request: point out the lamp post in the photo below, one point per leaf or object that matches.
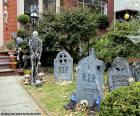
(34, 15)
(34, 19)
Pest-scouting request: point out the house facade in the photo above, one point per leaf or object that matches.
(118, 8)
(10, 9)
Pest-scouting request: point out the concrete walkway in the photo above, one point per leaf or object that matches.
(14, 99)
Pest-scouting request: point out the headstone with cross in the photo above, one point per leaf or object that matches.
(119, 73)
(90, 79)
(63, 66)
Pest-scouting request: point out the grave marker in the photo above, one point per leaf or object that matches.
(63, 66)
(90, 79)
(119, 73)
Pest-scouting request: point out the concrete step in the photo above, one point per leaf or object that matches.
(5, 65)
(4, 58)
(7, 52)
(7, 59)
(4, 53)
(7, 72)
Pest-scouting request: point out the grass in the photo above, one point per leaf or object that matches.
(53, 96)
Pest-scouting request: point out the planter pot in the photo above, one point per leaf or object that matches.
(12, 58)
(13, 65)
(11, 52)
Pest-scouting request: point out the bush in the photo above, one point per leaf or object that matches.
(115, 42)
(27, 72)
(103, 21)
(21, 33)
(124, 101)
(11, 44)
(66, 29)
(23, 19)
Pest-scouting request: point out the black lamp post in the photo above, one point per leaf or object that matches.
(34, 16)
(34, 20)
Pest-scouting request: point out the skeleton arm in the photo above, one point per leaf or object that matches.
(40, 49)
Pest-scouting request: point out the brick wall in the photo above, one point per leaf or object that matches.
(69, 3)
(11, 26)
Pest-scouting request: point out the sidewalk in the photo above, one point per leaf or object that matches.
(14, 99)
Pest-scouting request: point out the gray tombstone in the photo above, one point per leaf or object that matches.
(119, 73)
(136, 70)
(90, 79)
(63, 66)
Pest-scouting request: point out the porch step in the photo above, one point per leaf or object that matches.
(4, 65)
(7, 72)
(4, 58)
(4, 53)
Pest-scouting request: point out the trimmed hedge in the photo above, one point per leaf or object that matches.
(124, 101)
(23, 19)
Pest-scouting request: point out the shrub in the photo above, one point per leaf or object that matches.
(11, 44)
(23, 19)
(21, 33)
(66, 29)
(103, 21)
(115, 42)
(27, 72)
(124, 101)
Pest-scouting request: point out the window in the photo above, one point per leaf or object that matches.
(27, 5)
(99, 5)
(49, 5)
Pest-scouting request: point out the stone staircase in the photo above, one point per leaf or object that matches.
(5, 64)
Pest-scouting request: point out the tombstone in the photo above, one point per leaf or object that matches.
(136, 70)
(90, 79)
(119, 73)
(63, 66)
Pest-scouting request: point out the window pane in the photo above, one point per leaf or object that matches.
(27, 5)
(49, 5)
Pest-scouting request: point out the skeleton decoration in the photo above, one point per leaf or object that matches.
(5, 2)
(5, 15)
(36, 50)
(5, 11)
(19, 40)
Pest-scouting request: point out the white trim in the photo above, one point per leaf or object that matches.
(20, 9)
(40, 6)
(1, 24)
(120, 5)
(57, 6)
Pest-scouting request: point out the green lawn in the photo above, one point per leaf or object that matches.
(53, 96)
